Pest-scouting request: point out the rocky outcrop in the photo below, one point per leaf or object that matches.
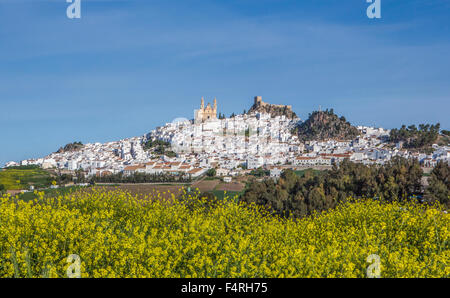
(325, 125)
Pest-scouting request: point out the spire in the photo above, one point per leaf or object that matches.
(202, 106)
(215, 104)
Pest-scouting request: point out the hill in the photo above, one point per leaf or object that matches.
(273, 110)
(70, 147)
(324, 125)
(421, 137)
(23, 177)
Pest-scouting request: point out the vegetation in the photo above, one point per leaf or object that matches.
(443, 139)
(71, 147)
(17, 178)
(140, 178)
(260, 172)
(416, 138)
(298, 196)
(439, 184)
(324, 125)
(149, 144)
(211, 172)
(48, 193)
(159, 147)
(27, 167)
(224, 195)
(117, 235)
(311, 172)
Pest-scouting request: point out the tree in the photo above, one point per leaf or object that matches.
(295, 195)
(439, 184)
(211, 172)
(414, 137)
(2, 188)
(316, 199)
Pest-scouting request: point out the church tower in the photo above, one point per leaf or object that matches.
(206, 113)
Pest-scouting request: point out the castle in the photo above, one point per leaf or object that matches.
(259, 106)
(259, 103)
(208, 113)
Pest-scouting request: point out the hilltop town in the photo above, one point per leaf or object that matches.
(265, 136)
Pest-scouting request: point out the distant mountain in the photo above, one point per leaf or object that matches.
(324, 125)
(272, 109)
(70, 147)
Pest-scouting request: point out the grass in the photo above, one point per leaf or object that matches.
(301, 173)
(22, 178)
(49, 193)
(220, 194)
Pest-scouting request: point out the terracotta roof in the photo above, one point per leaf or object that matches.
(133, 168)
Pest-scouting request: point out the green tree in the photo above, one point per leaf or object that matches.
(211, 172)
(439, 184)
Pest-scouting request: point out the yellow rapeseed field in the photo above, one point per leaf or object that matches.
(118, 235)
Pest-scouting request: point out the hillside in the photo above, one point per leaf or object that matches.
(324, 125)
(272, 109)
(23, 177)
(421, 137)
(70, 147)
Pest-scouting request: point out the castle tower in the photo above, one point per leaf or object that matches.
(258, 100)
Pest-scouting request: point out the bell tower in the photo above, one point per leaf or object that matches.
(206, 113)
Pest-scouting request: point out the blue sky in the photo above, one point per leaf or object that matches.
(128, 66)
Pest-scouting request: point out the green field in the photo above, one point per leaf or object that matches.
(24, 177)
(49, 193)
(302, 173)
(220, 194)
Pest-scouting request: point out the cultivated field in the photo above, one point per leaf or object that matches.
(116, 234)
(232, 186)
(15, 179)
(147, 189)
(206, 185)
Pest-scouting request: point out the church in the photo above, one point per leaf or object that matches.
(206, 113)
